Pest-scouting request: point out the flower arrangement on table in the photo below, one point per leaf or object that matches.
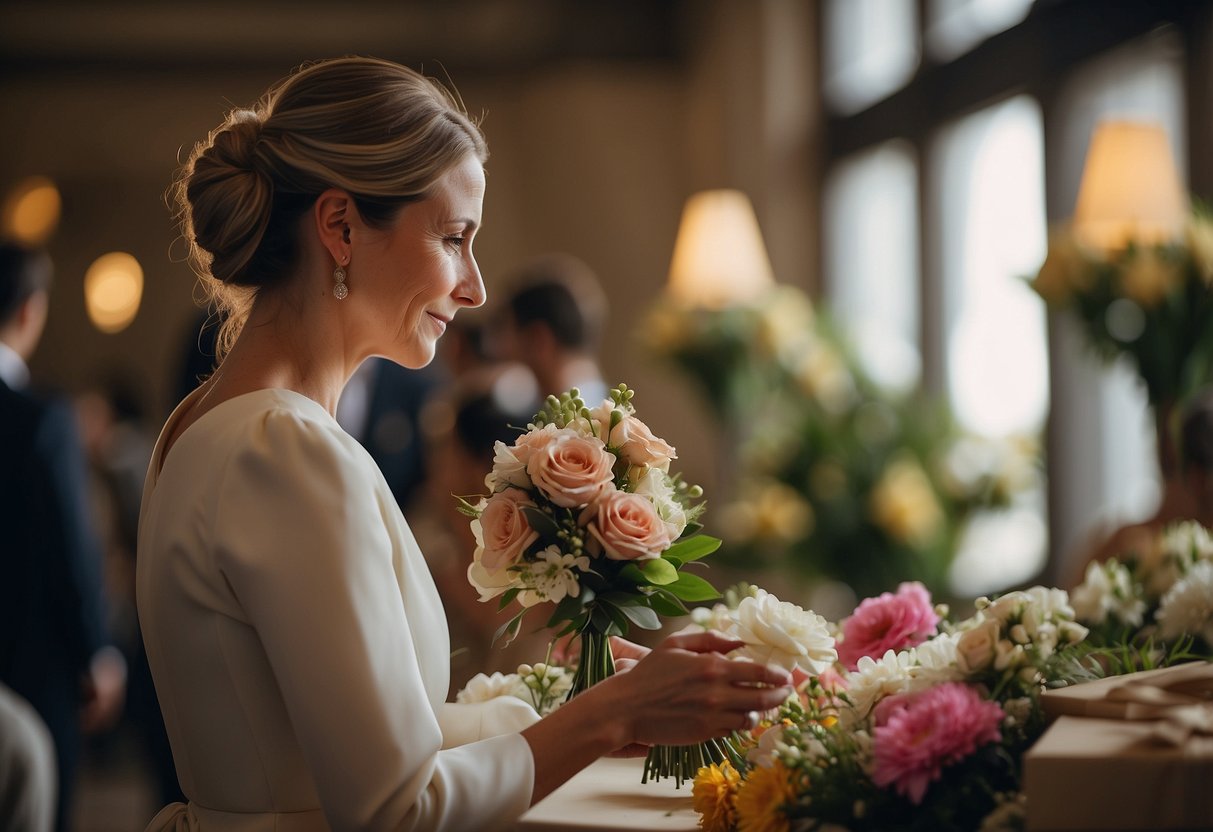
(1147, 299)
(583, 513)
(921, 725)
(1158, 597)
(838, 477)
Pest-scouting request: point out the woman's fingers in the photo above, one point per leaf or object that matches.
(621, 648)
(708, 641)
(624, 665)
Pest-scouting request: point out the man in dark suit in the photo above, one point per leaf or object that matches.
(53, 646)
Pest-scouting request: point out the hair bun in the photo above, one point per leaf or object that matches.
(235, 143)
(229, 197)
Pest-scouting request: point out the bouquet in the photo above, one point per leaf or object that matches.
(1160, 593)
(583, 513)
(1150, 302)
(921, 725)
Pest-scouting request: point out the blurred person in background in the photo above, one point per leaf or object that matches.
(552, 320)
(54, 647)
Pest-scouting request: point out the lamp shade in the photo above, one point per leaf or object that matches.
(1130, 188)
(719, 258)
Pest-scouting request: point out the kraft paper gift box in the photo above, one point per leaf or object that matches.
(1127, 752)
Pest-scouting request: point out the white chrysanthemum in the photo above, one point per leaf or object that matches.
(1004, 607)
(656, 485)
(1108, 590)
(1187, 608)
(482, 688)
(873, 680)
(936, 659)
(783, 634)
(552, 577)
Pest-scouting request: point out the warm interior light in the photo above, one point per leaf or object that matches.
(113, 288)
(1130, 188)
(719, 258)
(31, 211)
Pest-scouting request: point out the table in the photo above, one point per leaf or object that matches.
(608, 796)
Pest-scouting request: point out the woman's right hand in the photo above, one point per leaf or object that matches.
(686, 691)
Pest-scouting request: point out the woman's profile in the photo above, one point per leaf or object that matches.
(296, 638)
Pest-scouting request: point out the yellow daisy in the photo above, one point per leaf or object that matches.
(760, 799)
(713, 796)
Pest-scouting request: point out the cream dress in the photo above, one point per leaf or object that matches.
(298, 644)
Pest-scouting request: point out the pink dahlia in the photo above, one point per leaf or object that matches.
(916, 736)
(888, 622)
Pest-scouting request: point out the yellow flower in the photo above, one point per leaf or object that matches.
(1066, 268)
(1199, 236)
(776, 513)
(1147, 277)
(761, 798)
(904, 505)
(713, 792)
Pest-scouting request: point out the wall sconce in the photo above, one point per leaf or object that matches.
(31, 211)
(1130, 188)
(719, 257)
(113, 289)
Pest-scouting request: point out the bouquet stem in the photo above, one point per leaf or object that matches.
(682, 762)
(596, 662)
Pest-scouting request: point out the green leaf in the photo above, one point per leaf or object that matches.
(667, 604)
(693, 548)
(631, 572)
(511, 627)
(642, 617)
(541, 522)
(659, 571)
(568, 608)
(690, 587)
(691, 528)
(510, 595)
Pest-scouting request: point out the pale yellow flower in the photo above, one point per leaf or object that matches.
(1147, 277)
(761, 798)
(904, 504)
(1199, 236)
(821, 373)
(775, 512)
(1067, 268)
(785, 323)
(712, 795)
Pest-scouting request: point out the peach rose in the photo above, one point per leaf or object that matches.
(629, 528)
(571, 470)
(636, 443)
(506, 532)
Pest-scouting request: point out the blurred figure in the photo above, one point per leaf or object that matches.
(381, 408)
(484, 406)
(54, 650)
(1186, 495)
(27, 767)
(552, 321)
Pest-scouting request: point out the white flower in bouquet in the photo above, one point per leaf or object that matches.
(655, 484)
(552, 577)
(977, 644)
(937, 659)
(1188, 543)
(716, 617)
(783, 634)
(544, 686)
(483, 688)
(769, 749)
(1108, 590)
(1187, 608)
(875, 679)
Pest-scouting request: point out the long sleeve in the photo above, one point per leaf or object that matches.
(303, 538)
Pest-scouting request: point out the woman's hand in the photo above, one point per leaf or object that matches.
(685, 691)
(627, 653)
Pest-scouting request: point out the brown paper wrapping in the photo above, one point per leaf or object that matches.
(1089, 772)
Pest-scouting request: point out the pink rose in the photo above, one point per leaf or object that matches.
(916, 736)
(629, 528)
(571, 470)
(888, 622)
(632, 437)
(505, 529)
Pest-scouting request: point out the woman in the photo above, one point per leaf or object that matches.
(294, 633)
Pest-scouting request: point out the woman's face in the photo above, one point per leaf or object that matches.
(418, 273)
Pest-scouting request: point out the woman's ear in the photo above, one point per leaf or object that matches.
(333, 212)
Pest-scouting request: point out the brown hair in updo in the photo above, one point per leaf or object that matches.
(376, 129)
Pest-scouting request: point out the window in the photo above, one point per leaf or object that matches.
(870, 50)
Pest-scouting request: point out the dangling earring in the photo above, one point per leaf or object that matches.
(340, 290)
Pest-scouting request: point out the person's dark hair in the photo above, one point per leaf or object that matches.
(562, 293)
(491, 406)
(378, 130)
(1196, 434)
(23, 272)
